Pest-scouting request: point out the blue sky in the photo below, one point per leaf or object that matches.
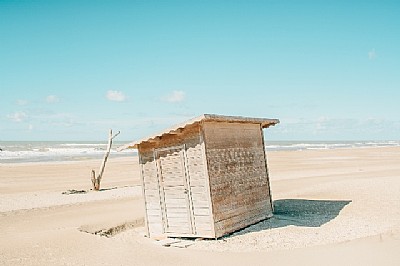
(70, 70)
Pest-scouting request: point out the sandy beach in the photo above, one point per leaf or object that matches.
(332, 207)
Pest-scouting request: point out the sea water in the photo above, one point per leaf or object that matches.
(47, 151)
(325, 145)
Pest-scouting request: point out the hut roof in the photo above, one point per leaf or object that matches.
(265, 122)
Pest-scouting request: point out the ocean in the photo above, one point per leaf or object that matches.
(325, 145)
(48, 151)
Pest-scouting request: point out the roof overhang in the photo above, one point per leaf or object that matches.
(264, 122)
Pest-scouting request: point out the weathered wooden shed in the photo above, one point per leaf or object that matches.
(206, 177)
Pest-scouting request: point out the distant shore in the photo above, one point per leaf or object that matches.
(57, 151)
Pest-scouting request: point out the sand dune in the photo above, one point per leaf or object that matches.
(332, 207)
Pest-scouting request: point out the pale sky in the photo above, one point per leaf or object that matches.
(70, 70)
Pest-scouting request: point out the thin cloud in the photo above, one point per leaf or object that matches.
(372, 54)
(17, 116)
(22, 102)
(175, 97)
(52, 99)
(335, 128)
(116, 96)
(58, 119)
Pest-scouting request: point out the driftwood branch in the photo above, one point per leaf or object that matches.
(97, 179)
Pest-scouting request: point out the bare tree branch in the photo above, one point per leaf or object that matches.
(96, 180)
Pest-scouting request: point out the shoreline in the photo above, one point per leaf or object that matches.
(27, 152)
(134, 156)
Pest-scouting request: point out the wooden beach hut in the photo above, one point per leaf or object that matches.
(206, 177)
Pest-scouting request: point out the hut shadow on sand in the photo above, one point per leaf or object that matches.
(298, 212)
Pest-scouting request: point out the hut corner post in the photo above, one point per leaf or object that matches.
(96, 180)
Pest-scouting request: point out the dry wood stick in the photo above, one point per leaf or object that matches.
(96, 180)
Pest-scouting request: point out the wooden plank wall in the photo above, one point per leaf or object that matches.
(238, 175)
(197, 182)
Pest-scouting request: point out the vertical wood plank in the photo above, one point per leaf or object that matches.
(146, 219)
(161, 192)
(203, 143)
(189, 199)
(266, 169)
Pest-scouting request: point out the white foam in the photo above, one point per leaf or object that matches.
(52, 151)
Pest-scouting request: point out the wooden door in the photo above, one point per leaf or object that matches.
(175, 190)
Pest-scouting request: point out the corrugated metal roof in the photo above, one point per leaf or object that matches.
(264, 122)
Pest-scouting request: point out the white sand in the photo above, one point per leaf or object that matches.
(332, 207)
(35, 200)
